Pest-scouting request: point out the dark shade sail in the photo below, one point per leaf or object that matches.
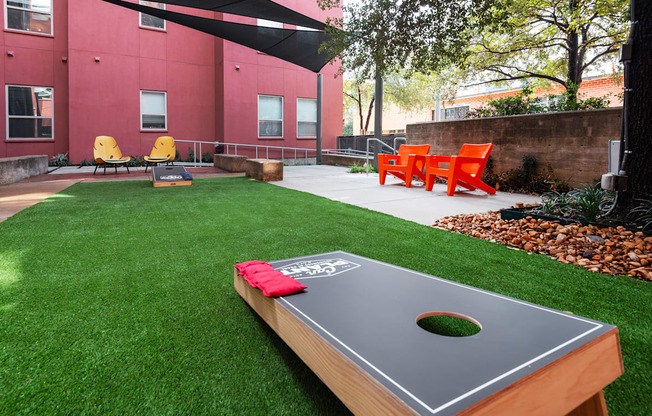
(263, 9)
(300, 47)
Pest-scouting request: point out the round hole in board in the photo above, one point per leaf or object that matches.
(449, 324)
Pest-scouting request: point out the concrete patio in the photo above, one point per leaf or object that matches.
(393, 198)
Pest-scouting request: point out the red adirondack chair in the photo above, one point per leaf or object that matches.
(409, 162)
(465, 169)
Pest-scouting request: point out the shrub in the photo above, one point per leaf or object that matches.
(643, 214)
(136, 161)
(86, 162)
(524, 179)
(59, 160)
(521, 103)
(362, 169)
(207, 157)
(589, 203)
(524, 103)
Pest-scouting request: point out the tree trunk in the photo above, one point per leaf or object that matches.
(638, 114)
(360, 110)
(574, 74)
(369, 112)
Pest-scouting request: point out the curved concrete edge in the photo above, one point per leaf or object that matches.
(18, 196)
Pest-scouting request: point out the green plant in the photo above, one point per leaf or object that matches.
(643, 214)
(86, 162)
(590, 202)
(177, 155)
(362, 169)
(524, 103)
(525, 178)
(521, 103)
(570, 100)
(191, 154)
(136, 161)
(207, 157)
(59, 160)
(347, 129)
(555, 203)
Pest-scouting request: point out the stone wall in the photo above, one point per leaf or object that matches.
(574, 144)
(14, 169)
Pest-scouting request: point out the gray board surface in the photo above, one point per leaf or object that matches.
(368, 311)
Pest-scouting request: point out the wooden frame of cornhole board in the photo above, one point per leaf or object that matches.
(355, 327)
(169, 176)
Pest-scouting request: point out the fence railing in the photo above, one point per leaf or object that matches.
(196, 145)
(288, 153)
(277, 152)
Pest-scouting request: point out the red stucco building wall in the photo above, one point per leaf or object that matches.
(98, 59)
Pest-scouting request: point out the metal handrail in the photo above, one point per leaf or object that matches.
(347, 152)
(267, 148)
(399, 138)
(194, 148)
(381, 142)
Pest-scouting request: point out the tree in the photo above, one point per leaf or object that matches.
(408, 92)
(550, 40)
(359, 94)
(384, 36)
(638, 114)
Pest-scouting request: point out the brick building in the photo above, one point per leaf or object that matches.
(76, 69)
(395, 120)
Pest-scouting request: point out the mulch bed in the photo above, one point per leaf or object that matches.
(608, 250)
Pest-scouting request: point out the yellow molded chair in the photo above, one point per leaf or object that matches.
(164, 151)
(106, 152)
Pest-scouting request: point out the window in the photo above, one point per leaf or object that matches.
(29, 112)
(153, 110)
(151, 21)
(455, 113)
(29, 15)
(269, 23)
(306, 117)
(270, 116)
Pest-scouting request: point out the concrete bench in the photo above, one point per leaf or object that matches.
(264, 169)
(229, 163)
(14, 169)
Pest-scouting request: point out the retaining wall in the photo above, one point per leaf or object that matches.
(574, 144)
(14, 169)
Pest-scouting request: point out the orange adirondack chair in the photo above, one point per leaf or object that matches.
(465, 169)
(409, 162)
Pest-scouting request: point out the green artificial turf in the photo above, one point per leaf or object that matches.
(117, 298)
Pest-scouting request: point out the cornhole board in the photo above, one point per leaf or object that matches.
(355, 327)
(169, 176)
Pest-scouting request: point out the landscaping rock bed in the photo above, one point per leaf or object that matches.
(608, 250)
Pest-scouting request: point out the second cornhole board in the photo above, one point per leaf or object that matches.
(355, 327)
(169, 176)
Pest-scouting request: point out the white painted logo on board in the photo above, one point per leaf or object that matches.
(317, 268)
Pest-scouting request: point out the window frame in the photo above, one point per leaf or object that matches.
(456, 109)
(282, 119)
(165, 115)
(140, 17)
(8, 116)
(311, 121)
(51, 14)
